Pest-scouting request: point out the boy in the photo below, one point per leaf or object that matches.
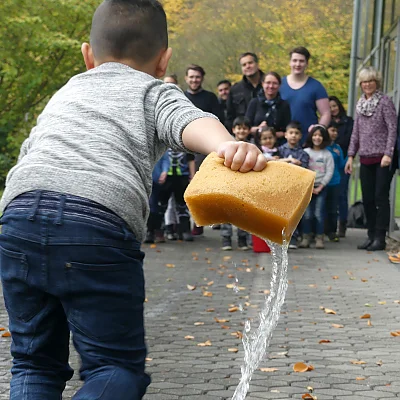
(241, 130)
(291, 152)
(333, 188)
(76, 206)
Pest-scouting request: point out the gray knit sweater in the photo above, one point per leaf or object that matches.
(100, 136)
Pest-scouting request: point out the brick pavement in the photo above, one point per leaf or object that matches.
(350, 282)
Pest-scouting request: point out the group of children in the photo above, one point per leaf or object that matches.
(319, 153)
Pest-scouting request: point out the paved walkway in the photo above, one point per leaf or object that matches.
(361, 360)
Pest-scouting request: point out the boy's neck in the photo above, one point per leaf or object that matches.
(292, 146)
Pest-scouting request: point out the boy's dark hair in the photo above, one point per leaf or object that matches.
(255, 58)
(333, 124)
(294, 125)
(342, 111)
(195, 67)
(325, 136)
(129, 29)
(301, 50)
(224, 81)
(241, 120)
(274, 74)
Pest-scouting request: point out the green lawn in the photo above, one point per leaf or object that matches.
(397, 210)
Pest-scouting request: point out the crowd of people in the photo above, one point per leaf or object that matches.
(294, 120)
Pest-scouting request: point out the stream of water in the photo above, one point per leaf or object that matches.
(256, 341)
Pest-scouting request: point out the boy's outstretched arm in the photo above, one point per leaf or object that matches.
(205, 135)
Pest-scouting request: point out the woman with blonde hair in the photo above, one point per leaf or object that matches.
(374, 139)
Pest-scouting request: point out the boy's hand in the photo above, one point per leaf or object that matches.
(242, 156)
(162, 178)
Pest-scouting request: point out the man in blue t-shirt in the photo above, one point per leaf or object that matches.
(305, 95)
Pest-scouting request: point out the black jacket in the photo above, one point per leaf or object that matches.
(239, 98)
(345, 128)
(257, 112)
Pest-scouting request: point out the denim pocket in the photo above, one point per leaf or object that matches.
(106, 300)
(22, 301)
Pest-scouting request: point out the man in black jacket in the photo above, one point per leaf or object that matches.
(242, 92)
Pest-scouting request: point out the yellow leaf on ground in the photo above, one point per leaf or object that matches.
(335, 277)
(231, 276)
(329, 311)
(358, 362)
(382, 303)
(170, 265)
(233, 349)
(207, 294)
(210, 310)
(365, 316)
(188, 337)
(153, 246)
(221, 320)
(238, 334)
(369, 323)
(227, 258)
(225, 327)
(230, 285)
(2, 329)
(6, 334)
(210, 283)
(269, 369)
(191, 287)
(395, 333)
(300, 367)
(205, 344)
(364, 280)
(198, 323)
(360, 378)
(337, 326)
(148, 359)
(233, 309)
(295, 266)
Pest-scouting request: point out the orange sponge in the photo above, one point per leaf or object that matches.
(263, 203)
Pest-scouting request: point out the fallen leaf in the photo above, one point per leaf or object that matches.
(356, 362)
(241, 288)
(360, 378)
(233, 349)
(188, 337)
(368, 305)
(170, 265)
(210, 283)
(221, 320)
(233, 309)
(205, 344)
(238, 334)
(226, 258)
(2, 329)
(295, 266)
(208, 249)
(210, 310)
(191, 287)
(352, 278)
(329, 311)
(397, 301)
(225, 327)
(146, 300)
(153, 246)
(198, 323)
(231, 276)
(369, 323)
(300, 367)
(365, 316)
(195, 254)
(6, 334)
(380, 362)
(364, 280)
(207, 294)
(324, 341)
(310, 389)
(148, 359)
(395, 333)
(329, 288)
(248, 269)
(382, 303)
(309, 396)
(335, 277)
(337, 326)
(269, 369)
(230, 285)
(312, 286)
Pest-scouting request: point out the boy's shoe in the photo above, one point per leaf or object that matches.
(159, 236)
(305, 242)
(333, 237)
(197, 230)
(187, 237)
(293, 243)
(319, 242)
(149, 237)
(172, 236)
(226, 244)
(242, 244)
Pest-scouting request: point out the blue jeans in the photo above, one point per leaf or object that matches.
(343, 197)
(71, 265)
(316, 209)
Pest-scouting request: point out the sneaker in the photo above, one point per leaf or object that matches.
(319, 242)
(149, 237)
(197, 230)
(333, 237)
(226, 244)
(172, 236)
(159, 236)
(305, 242)
(242, 244)
(187, 237)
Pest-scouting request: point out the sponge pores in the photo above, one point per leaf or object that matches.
(268, 204)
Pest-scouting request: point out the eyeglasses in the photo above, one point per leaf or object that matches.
(370, 81)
